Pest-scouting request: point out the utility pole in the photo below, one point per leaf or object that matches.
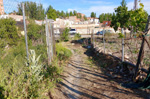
(135, 4)
(25, 30)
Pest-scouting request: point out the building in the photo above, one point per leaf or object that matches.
(106, 23)
(93, 20)
(74, 19)
(1, 7)
(82, 15)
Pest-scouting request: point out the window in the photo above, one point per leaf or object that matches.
(72, 30)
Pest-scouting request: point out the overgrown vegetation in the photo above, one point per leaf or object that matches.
(77, 36)
(65, 35)
(17, 78)
(8, 32)
(62, 52)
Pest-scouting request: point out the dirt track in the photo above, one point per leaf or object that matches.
(83, 80)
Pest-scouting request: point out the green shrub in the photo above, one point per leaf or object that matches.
(8, 31)
(77, 36)
(62, 52)
(35, 31)
(28, 81)
(121, 35)
(65, 35)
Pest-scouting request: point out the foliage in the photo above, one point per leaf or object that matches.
(93, 15)
(65, 35)
(29, 81)
(33, 10)
(138, 18)
(62, 14)
(62, 52)
(34, 31)
(77, 36)
(121, 16)
(71, 13)
(67, 14)
(105, 17)
(22, 81)
(18, 80)
(51, 13)
(121, 35)
(85, 18)
(8, 31)
(74, 13)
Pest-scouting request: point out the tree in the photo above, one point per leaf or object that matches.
(58, 13)
(74, 13)
(67, 14)
(121, 17)
(51, 13)
(138, 18)
(33, 10)
(71, 14)
(93, 15)
(105, 17)
(65, 35)
(62, 14)
(85, 18)
(40, 12)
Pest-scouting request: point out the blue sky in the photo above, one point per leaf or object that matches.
(83, 6)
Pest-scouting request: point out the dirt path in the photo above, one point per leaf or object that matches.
(85, 81)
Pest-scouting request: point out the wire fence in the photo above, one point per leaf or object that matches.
(23, 24)
(112, 44)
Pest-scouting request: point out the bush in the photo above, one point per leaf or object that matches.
(34, 31)
(62, 52)
(28, 81)
(77, 36)
(22, 81)
(65, 35)
(8, 31)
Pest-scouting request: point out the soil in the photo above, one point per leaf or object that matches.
(83, 79)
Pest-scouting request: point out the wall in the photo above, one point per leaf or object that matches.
(1, 7)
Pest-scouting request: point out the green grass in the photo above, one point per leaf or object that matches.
(62, 52)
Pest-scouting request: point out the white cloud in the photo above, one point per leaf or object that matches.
(100, 9)
(146, 5)
(96, 2)
(110, 8)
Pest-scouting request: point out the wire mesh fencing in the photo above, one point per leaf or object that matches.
(32, 24)
(112, 44)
